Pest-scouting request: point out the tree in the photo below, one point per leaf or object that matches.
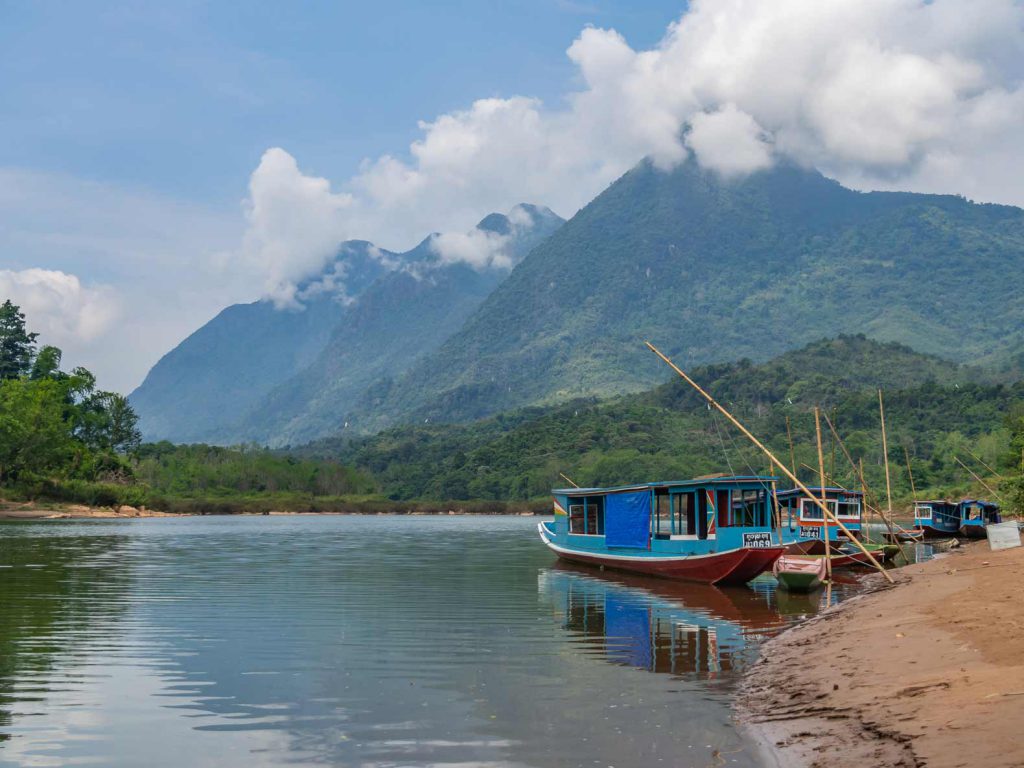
(46, 364)
(17, 346)
(34, 438)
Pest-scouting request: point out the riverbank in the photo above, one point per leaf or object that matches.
(33, 511)
(929, 672)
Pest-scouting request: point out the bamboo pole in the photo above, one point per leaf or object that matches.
(770, 455)
(859, 470)
(910, 472)
(885, 455)
(568, 480)
(824, 498)
(792, 452)
(978, 459)
(988, 488)
(776, 509)
(832, 466)
(888, 522)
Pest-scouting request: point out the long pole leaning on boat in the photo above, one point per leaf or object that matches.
(859, 471)
(885, 455)
(774, 503)
(910, 474)
(988, 488)
(824, 503)
(567, 479)
(770, 455)
(859, 468)
(792, 451)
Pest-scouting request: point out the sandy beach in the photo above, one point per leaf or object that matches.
(29, 511)
(927, 673)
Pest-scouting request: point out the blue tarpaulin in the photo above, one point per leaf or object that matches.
(627, 519)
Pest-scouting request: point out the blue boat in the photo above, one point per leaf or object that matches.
(975, 514)
(710, 530)
(803, 522)
(938, 518)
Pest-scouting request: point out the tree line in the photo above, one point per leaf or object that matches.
(55, 423)
(64, 439)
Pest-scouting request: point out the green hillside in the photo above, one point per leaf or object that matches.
(714, 271)
(401, 317)
(214, 376)
(936, 410)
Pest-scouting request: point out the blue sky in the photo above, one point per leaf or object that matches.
(162, 160)
(182, 98)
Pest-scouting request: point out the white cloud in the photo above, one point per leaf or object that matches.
(729, 141)
(477, 248)
(58, 306)
(878, 93)
(295, 225)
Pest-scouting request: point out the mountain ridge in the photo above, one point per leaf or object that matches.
(714, 270)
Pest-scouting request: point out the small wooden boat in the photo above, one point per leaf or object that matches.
(975, 514)
(711, 530)
(938, 518)
(799, 573)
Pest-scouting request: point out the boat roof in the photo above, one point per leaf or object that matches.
(980, 503)
(701, 482)
(941, 502)
(816, 489)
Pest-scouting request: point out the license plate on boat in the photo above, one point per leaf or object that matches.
(757, 540)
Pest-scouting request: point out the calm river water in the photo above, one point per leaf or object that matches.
(358, 641)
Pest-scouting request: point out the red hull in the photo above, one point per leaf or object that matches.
(737, 566)
(858, 558)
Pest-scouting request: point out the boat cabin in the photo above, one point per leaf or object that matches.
(717, 511)
(975, 514)
(937, 517)
(802, 518)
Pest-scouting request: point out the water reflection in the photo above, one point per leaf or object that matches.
(378, 641)
(59, 595)
(687, 630)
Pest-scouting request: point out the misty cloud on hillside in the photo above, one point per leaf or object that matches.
(881, 94)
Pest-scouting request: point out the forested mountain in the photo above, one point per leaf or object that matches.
(716, 270)
(936, 411)
(257, 372)
(211, 378)
(399, 319)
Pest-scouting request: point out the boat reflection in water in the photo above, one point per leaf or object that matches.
(672, 627)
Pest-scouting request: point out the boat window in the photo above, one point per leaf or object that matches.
(685, 515)
(586, 518)
(748, 508)
(577, 521)
(662, 519)
(810, 511)
(923, 512)
(850, 509)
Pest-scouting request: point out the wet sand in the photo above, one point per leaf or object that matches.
(927, 673)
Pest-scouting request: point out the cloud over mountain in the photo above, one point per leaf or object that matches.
(879, 93)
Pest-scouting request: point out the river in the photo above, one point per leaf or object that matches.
(359, 641)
